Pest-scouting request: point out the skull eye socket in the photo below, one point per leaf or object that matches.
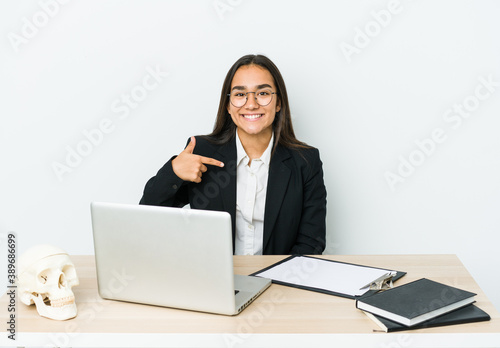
(69, 273)
(43, 276)
(62, 281)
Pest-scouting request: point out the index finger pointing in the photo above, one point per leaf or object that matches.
(211, 161)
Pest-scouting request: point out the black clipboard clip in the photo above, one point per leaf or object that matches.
(383, 282)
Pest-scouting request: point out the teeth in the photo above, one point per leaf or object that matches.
(252, 116)
(60, 302)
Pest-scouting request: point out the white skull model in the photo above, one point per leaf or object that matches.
(46, 276)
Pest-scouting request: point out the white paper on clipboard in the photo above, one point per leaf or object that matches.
(322, 274)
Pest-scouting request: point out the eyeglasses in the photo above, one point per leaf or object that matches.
(263, 97)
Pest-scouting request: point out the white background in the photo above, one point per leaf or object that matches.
(367, 80)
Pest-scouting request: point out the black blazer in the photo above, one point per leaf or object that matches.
(295, 211)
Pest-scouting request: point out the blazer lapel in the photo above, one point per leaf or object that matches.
(279, 176)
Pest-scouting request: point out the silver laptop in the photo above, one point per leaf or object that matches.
(172, 257)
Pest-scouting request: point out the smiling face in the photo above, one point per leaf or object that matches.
(253, 120)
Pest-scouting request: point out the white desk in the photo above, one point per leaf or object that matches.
(281, 317)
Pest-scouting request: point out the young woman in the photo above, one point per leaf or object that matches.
(251, 166)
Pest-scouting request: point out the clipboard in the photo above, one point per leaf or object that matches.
(325, 276)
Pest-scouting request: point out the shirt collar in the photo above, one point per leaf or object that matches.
(241, 154)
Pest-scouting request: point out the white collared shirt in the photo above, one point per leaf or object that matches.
(251, 188)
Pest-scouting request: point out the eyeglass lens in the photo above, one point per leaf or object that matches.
(262, 96)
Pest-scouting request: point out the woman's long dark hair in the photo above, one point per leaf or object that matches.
(225, 129)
